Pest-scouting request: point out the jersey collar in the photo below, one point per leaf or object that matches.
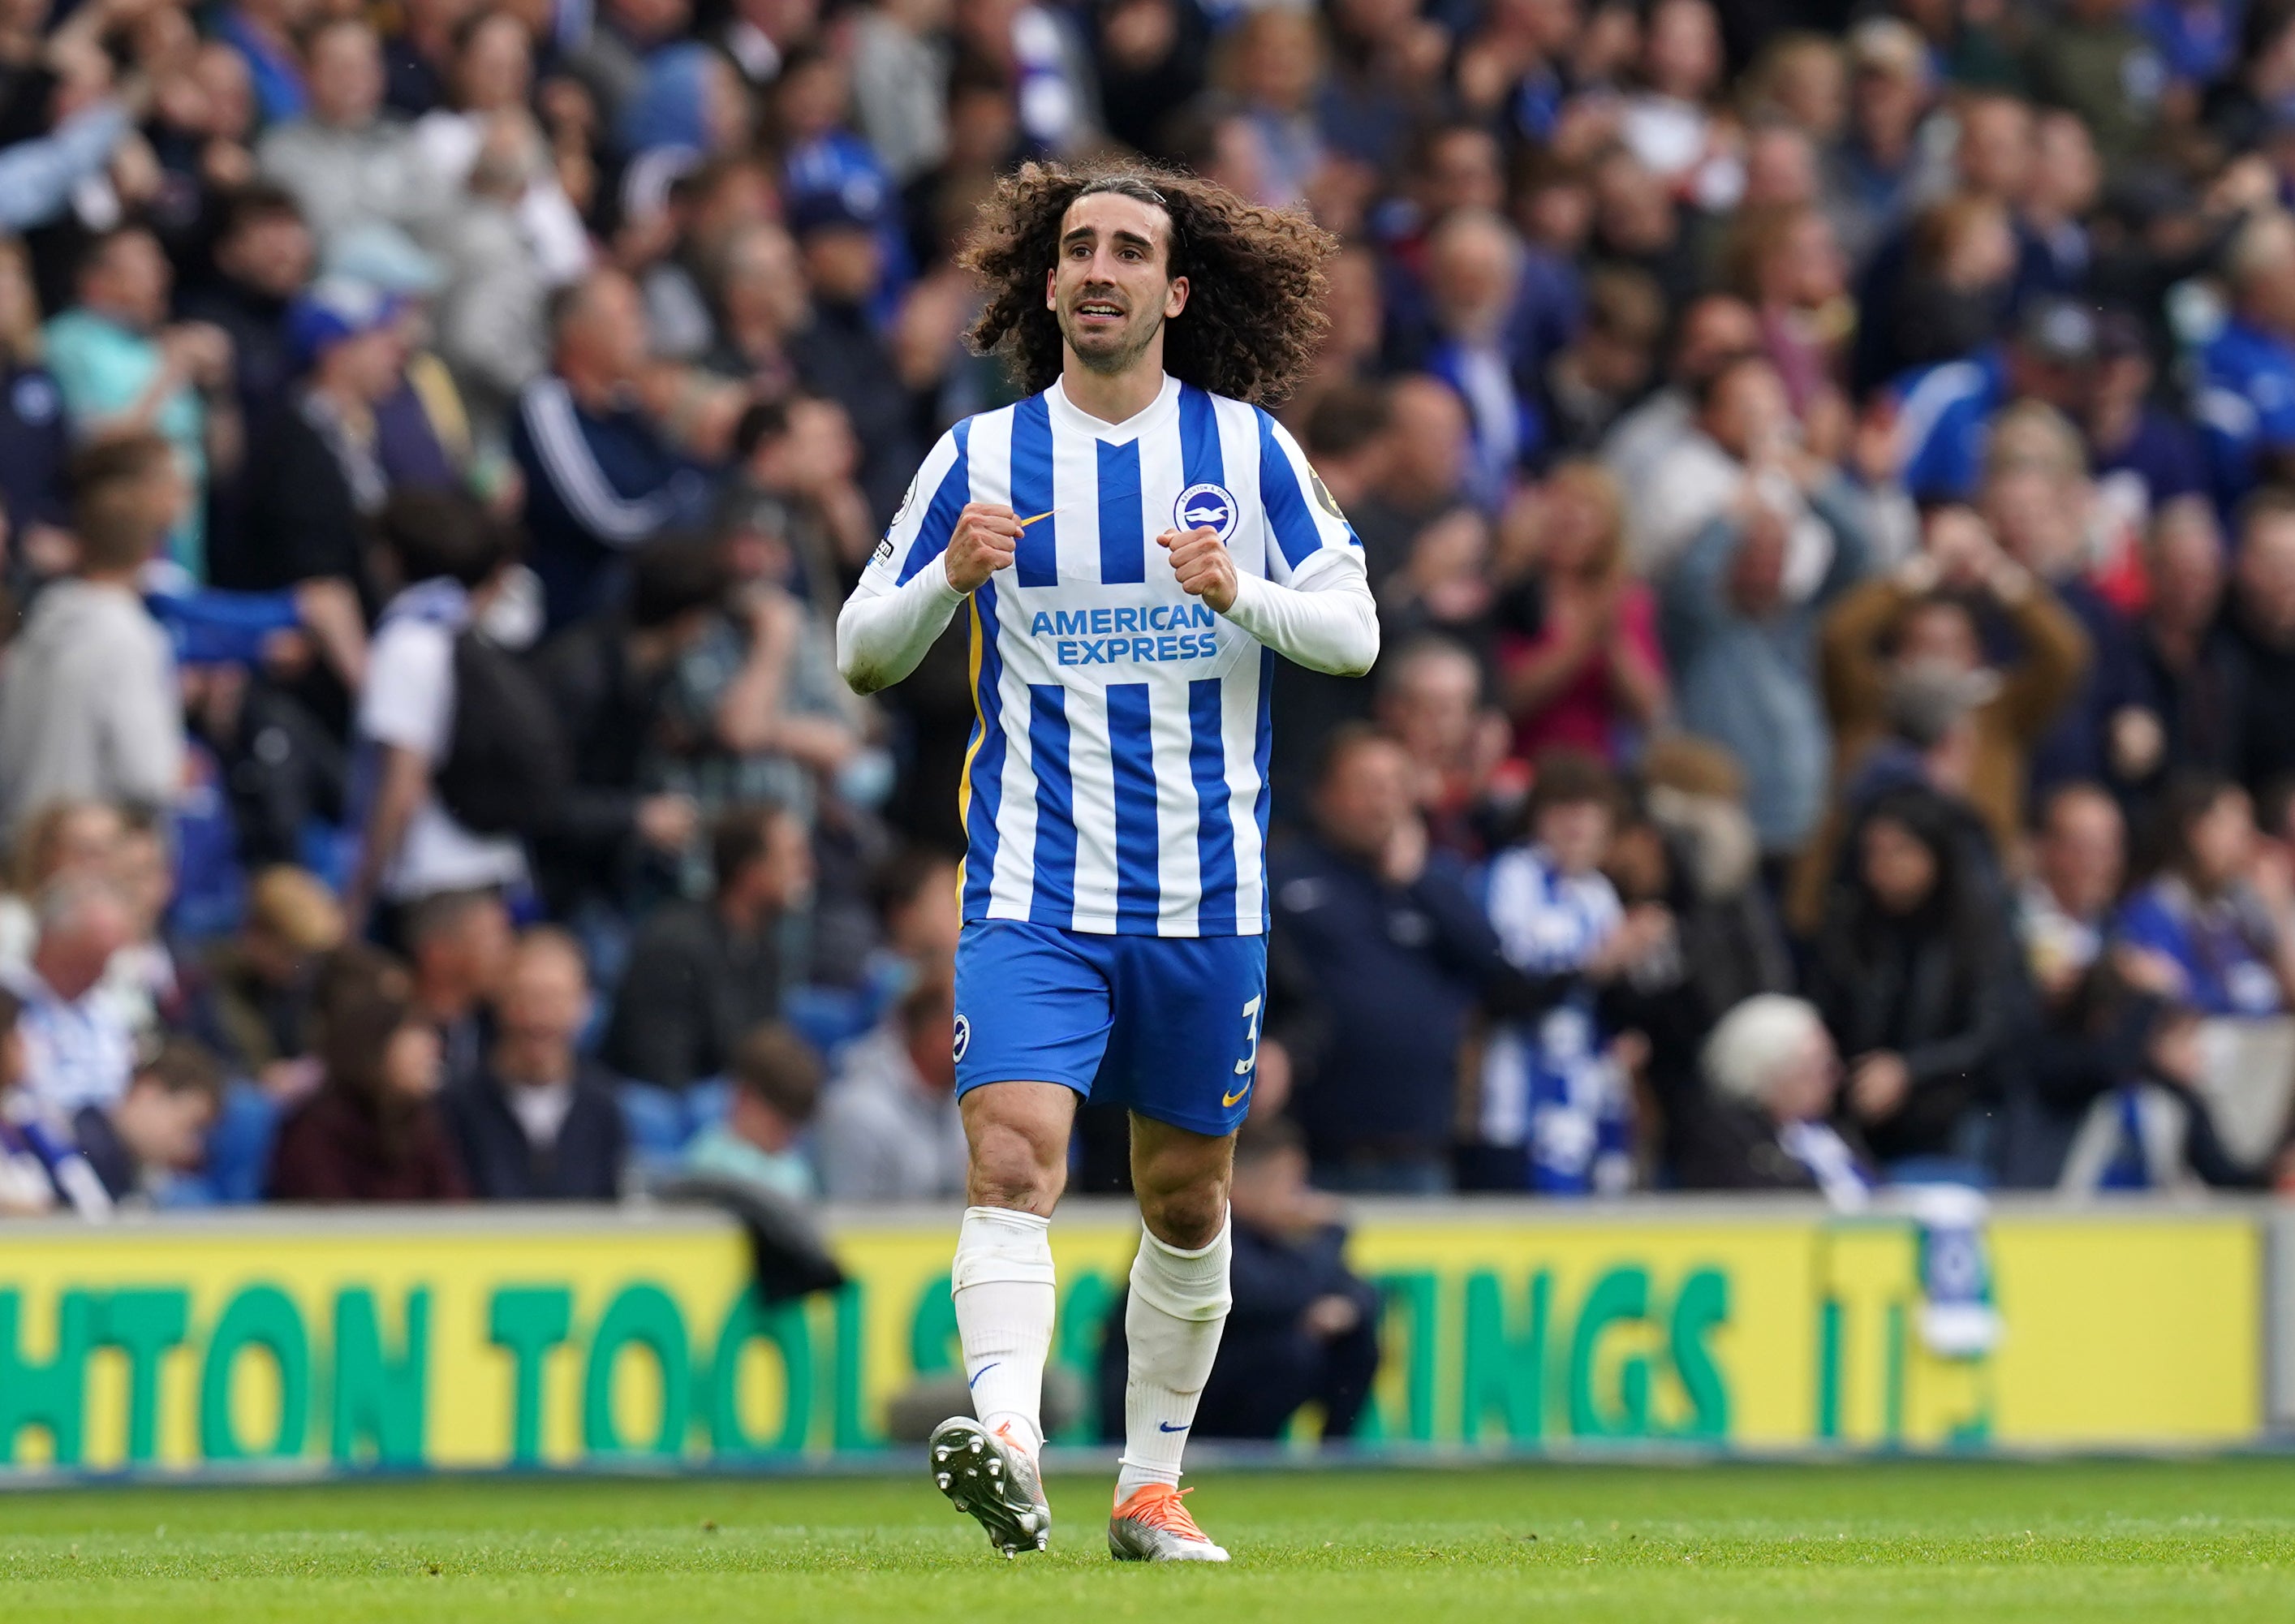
(1074, 417)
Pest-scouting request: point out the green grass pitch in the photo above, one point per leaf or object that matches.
(1897, 1540)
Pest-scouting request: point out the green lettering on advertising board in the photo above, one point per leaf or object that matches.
(263, 1318)
(378, 1399)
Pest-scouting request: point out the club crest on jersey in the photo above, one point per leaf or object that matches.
(1205, 504)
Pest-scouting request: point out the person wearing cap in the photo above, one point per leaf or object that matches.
(2245, 403)
(320, 479)
(422, 434)
(839, 354)
(1945, 412)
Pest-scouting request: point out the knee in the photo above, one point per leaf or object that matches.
(1011, 1168)
(1186, 1214)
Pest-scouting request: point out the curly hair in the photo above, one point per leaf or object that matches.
(1254, 312)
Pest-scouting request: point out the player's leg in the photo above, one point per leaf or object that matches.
(1002, 1281)
(1187, 1028)
(1032, 1025)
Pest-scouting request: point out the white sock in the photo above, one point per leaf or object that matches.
(1002, 1283)
(1179, 1304)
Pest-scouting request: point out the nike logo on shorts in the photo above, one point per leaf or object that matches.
(1230, 1100)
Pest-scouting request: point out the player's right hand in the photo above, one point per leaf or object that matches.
(987, 533)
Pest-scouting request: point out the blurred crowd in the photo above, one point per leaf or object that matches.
(1827, 468)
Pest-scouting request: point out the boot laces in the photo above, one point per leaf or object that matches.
(1159, 1506)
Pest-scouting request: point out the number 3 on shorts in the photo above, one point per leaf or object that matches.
(1251, 1039)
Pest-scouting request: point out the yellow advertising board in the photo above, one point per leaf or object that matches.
(485, 1339)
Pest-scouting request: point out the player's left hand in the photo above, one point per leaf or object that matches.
(1200, 560)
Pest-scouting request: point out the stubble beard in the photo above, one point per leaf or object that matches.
(1112, 362)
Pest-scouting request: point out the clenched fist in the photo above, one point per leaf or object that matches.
(1200, 560)
(986, 533)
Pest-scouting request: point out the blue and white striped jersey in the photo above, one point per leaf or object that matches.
(1116, 781)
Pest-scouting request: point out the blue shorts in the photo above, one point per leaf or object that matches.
(1167, 1025)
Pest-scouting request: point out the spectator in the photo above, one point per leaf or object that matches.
(33, 444)
(348, 160)
(1744, 435)
(838, 354)
(537, 1121)
(1766, 1122)
(701, 974)
(2191, 658)
(261, 983)
(2158, 1131)
(321, 484)
(600, 478)
(1924, 618)
(1594, 674)
(372, 1131)
(776, 1079)
(263, 258)
(2065, 908)
(64, 839)
(1304, 1327)
(889, 1128)
(124, 371)
(263, 32)
(1399, 959)
(2038, 501)
(1713, 330)
(460, 947)
(2260, 622)
(412, 845)
(611, 677)
(2199, 931)
(1916, 977)
(89, 709)
(1746, 650)
(900, 84)
(490, 126)
(1589, 385)
(76, 1050)
(755, 710)
(1430, 698)
(2095, 61)
(2246, 393)
(158, 1129)
(1554, 1112)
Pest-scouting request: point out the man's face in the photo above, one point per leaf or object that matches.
(545, 997)
(844, 263)
(611, 329)
(1941, 635)
(785, 870)
(345, 78)
(132, 280)
(1433, 710)
(1577, 833)
(367, 367)
(1748, 410)
(1111, 285)
(2083, 853)
(271, 254)
(2187, 571)
(1364, 798)
(164, 1128)
(2267, 571)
